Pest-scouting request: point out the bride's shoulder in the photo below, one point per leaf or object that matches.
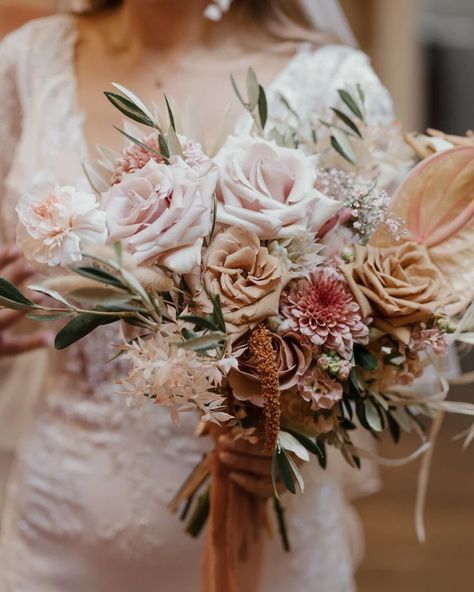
(335, 60)
(38, 37)
(325, 69)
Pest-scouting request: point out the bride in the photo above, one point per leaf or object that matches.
(86, 509)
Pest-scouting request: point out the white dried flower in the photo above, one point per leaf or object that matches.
(174, 377)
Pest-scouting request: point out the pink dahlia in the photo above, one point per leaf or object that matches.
(322, 309)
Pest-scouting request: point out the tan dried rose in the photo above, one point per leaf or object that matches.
(247, 278)
(397, 285)
(292, 359)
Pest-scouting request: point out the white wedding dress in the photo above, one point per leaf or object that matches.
(86, 507)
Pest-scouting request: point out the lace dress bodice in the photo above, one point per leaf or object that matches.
(93, 474)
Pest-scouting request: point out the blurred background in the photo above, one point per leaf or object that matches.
(424, 52)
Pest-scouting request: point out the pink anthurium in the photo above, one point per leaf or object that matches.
(436, 202)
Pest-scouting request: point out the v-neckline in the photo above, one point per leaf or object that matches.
(88, 150)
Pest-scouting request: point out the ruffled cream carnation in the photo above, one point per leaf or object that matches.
(57, 223)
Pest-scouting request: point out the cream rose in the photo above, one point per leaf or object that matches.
(56, 223)
(162, 213)
(269, 189)
(397, 285)
(247, 278)
(293, 358)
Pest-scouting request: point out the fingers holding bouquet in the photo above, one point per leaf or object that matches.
(249, 465)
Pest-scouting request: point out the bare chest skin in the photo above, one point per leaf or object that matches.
(197, 81)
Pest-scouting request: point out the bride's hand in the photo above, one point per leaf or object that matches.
(250, 467)
(14, 268)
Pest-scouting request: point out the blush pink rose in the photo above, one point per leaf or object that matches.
(269, 189)
(162, 213)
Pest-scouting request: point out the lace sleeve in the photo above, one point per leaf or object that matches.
(310, 84)
(352, 67)
(10, 109)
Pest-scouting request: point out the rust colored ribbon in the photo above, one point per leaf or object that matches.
(233, 552)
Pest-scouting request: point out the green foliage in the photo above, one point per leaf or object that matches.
(346, 128)
(315, 447)
(170, 114)
(99, 275)
(129, 109)
(342, 145)
(11, 297)
(164, 149)
(262, 106)
(139, 143)
(365, 358)
(282, 528)
(351, 103)
(46, 318)
(283, 470)
(256, 103)
(347, 120)
(204, 343)
(79, 327)
(200, 514)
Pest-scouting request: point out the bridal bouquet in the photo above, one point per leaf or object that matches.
(283, 288)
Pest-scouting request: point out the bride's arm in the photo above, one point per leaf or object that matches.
(10, 111)
(12, 266)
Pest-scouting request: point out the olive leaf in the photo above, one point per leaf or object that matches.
(253, 89)
(281, 468)
(9, 293)
(164, 149)
(99, 275)
(365, 358)
(373, 415)
(289, 442)
(262, 107)
(204, 342)
(341, 143)
(138, 142)
(129, 109)
(313, 446)
(200, 323)
(170, 114)
(173, 142)
(134, 99)
(79, 327)
(351, 103)
(347, 120)
(237, 91)
(44, 318)
(51, 293)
